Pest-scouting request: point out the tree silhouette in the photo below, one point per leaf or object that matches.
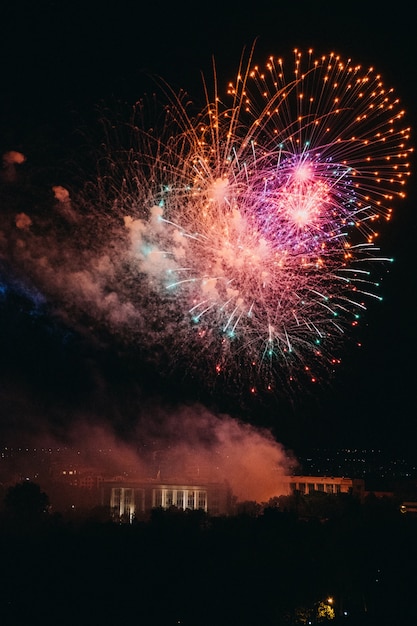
(26, 502)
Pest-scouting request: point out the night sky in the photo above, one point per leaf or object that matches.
(59, 60)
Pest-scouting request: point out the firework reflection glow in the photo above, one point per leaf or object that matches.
(253, 223)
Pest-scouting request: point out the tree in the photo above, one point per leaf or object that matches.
(26, 502)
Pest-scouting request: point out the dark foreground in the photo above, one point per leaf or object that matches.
(258, 568)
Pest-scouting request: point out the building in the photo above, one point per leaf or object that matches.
(133, 499)
(326, 484)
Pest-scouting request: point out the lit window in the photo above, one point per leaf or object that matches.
(169, 498)
(180, 499)
(190, 500)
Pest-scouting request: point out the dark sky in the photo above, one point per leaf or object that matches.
(58, 60)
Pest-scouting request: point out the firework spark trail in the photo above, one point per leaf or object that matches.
(256, 219)
(237, 241)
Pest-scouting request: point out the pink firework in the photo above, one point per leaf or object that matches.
(252, 224)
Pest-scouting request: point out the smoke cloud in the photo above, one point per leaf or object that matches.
(221, 448)
(87, 269)
(186, 444)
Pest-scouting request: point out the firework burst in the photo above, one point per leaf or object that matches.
(252, 223)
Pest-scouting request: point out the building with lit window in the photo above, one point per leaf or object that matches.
(326, 484)
(130, 499)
